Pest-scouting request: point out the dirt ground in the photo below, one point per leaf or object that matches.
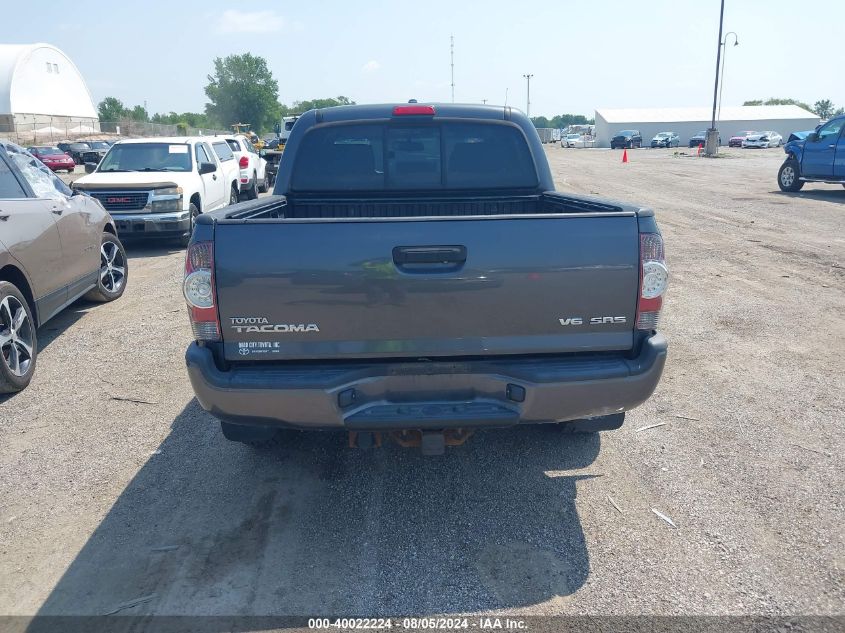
(116, 489)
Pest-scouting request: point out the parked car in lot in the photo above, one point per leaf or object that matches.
(736, 140)
(818, 158)
(156, 187)
(97, 151)
(572, 140)
(227, 158)
(400, 210)
(55, 247)
(666, 139)
(74, 150)
(626, 139)
(763, 139)
(701, 139)
(53, 157)
(253, 178)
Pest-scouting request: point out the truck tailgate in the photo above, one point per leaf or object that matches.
(314, 289)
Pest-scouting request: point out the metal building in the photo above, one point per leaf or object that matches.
(42, 94)
(687, 122)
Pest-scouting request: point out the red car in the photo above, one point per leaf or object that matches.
(53, 157)
(736, 141)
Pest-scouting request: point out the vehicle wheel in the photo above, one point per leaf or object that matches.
(252, 192)
(18, 342)
(185, 239)
(265, 184)
(114, 271)
(233, 195)
(255, 436)
(788, 176)
(594, 425)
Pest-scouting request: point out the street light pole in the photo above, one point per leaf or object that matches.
(722, 80)
(711, 147)
(528, 95)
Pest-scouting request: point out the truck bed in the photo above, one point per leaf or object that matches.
(288, 207)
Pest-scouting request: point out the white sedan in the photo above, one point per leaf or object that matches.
(572, 140)
(763, 139)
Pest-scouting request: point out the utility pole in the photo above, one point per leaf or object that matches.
(484, 101)
(711, 146)
(528, 93)
(452, 54)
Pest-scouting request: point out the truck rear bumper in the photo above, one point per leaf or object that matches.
(436, 394)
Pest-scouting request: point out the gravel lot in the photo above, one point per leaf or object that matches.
(104, 500)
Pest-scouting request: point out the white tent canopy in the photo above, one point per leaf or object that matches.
(39, 79)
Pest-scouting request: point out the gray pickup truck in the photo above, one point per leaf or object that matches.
(415, 274)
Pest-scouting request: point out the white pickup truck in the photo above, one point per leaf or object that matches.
(156, 187)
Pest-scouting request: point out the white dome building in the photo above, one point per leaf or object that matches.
(42, 94)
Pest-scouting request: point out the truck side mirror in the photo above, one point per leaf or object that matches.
(812, 137)
(277, 128)
(90, 167)
(207, 168)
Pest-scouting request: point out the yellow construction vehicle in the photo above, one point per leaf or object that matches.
(243, 128)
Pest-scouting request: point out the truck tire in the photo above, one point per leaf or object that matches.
(264, 186)
(594, 425)
(255, 436)
(788, 176)
(252, 192)
(114, 271)
(18, 340)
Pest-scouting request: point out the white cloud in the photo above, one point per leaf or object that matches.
(233, 21)
(371, 66)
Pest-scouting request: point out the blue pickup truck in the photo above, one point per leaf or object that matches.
(415, 274)
(820, 157)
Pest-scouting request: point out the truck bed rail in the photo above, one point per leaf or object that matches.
(399, 207)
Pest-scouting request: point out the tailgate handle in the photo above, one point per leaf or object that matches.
(429, 255)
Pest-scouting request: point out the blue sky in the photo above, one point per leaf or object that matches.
(583, 55)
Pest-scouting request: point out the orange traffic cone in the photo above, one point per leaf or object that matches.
(700, 147)
(624, 155)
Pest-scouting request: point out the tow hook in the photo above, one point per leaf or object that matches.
(431, 442)
(364, 439)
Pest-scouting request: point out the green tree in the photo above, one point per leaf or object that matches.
(243, 90)
(111, 109)
(138, 113)
(564, 120)
(299, 107)
(824, 108)
(777, 101)
(839, 111)
(540, 121)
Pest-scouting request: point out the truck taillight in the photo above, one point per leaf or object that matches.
(243, 163)
(654, 279)
(198, 288)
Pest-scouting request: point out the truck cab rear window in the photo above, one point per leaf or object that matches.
(444, 156)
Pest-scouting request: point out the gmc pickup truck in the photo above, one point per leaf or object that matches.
(415, 274)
